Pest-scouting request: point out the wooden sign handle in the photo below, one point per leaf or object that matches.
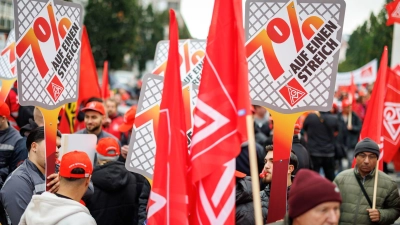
(283, 139)
(6, 86)
(50, 134)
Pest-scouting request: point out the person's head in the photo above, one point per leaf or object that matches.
(4, 115)
(129, 120)
(366, 153)
(346, 106)
(75, 172)
(313, 200)
(38, 117)
(36, 145)
(94, 115)
(259, 111)
(268, 164)
(111, 106)
(108, 150)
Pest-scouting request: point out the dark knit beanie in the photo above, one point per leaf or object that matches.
(366, 145)
(308, 190)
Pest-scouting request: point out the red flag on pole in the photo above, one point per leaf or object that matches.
(352, 90)
(393, 10)
(220, 116)
(391, 117)
(105, 90)
(88, 79)
(168, 198)
(372, 126)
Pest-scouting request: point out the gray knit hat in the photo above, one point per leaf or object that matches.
(366, 145)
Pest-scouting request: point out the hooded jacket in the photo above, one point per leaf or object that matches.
(47, 208)
(120, 196)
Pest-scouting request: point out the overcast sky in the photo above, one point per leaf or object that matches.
(197, 14)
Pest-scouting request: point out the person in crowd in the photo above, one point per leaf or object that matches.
(114, 119)
(80, 118)
(244, 200)
(313, 200)
(11, 152)
(63, 206)
(29, 178)
(262, 129)
(357, 187)
(320, 130)
(300, 151)
(125, 130)
(120, 196)
(94, 115)
(266, 175)
(348, 132)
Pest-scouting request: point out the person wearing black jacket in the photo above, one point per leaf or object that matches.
(120, 196)
(320, 130)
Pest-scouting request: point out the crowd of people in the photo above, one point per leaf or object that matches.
(322, 188)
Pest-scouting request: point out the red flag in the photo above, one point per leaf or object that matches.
(168, 198)
(391, 117)
(374, 116)
(393, 10)
(88, 79)
(219, 118)
(397, 69)
(63, 124)
(105, 90)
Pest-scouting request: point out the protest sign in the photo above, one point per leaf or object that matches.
(48, 35)
(293, 50)
(7, 66)
(81, 142)
(191, 53)
(142, 146)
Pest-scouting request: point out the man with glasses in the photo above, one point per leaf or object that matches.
(357, 187)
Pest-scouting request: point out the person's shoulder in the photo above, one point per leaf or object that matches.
(344, 174)
(80, 131)
(17, 180)
(80, 218)
(383, 176)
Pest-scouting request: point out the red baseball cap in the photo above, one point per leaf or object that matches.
(4, 110)
(73, 160)
(129, 119)
(108, 147)
(95, 106)
(346, 102)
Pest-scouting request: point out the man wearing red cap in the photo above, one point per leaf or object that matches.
(94, 116)
(348, 132)
(357, 188)
(12, 151)
(313, 200)
(64, 206)
(120, 196)
(126, 131)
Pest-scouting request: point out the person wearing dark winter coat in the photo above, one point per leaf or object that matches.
(266, 176)
(120, 196)
(357, 204)
(244, 200)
